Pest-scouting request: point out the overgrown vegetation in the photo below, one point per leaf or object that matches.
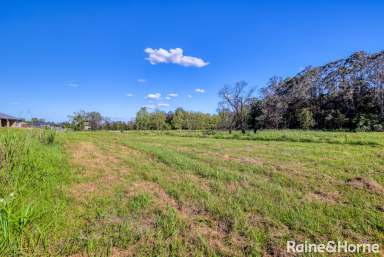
(47, 136)
(31, 174)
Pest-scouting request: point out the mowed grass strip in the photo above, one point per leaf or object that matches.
(237, 198)
(317, 201)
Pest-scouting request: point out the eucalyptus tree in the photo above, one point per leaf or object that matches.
(236, 98)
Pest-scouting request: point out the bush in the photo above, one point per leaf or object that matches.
(306, 119)
(47, 136)
(209, 132)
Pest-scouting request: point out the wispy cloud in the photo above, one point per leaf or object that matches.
(168, 97)
(128, 94)
(154, 96)
(173, 95)
(163, 105)
(141, 80)
(73, 85)
(149, 106)
(175, 56)
(189, 96)
(199, 90)
(15, 103)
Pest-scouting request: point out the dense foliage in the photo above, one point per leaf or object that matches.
(345, 94)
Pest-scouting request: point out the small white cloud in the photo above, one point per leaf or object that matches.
(173, 95)
(149, 106)
(141, 80)
(175, 56)
(128, 94)
(154, 96)
(189, 96)
(163, 105)
(168, 97)
(15, 103)
(199, 90)
(73, 85)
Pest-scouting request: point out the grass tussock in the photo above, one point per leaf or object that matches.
(47, 136)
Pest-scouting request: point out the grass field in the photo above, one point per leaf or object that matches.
(188, 193)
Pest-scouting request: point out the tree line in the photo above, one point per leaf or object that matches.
(347, 94)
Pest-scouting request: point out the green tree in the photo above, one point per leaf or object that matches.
(178, 121)
(77, 120)
(158, 120)
(142, 119)
(306, 119)
(94, 120)
(255, 113)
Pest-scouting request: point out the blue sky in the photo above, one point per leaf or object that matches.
(57, 57)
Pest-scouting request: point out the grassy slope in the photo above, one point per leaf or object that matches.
(152, 194)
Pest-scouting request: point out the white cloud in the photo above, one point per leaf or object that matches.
(73, 85)
(189, 96)
(168, 97)
(173, 95)
(15, 103)
(199, 90)
(128, 94)
(149, 106)
(154, 96)
(175, 56)
(163, 105)
(141, 80)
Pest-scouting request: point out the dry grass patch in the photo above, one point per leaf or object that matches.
(249, 160)
(324, 197)
(114, 252)
(367, 184)
(97, 167)
(200, 223)
(153, 189)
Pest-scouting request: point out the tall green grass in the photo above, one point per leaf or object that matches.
(47, 136)
(31, 206)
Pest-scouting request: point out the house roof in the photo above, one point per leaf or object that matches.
(7, 117)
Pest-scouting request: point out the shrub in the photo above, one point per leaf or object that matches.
(47, 136)
(306, 119)
(209, 132)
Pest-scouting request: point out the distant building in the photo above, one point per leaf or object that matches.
(9, 121)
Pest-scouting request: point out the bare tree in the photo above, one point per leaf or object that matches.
(236, 98)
